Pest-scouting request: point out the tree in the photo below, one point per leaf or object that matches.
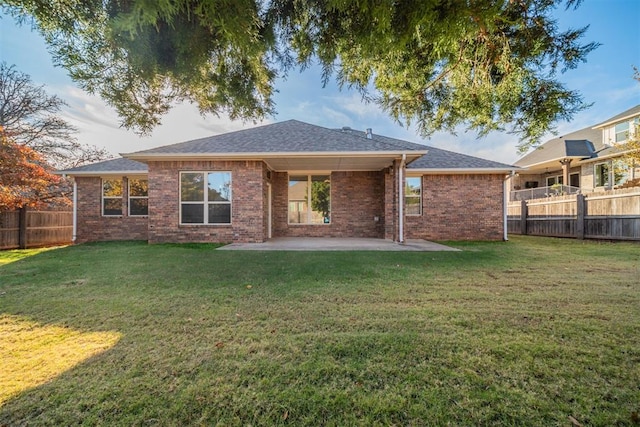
(30, 118)
(25, 178)
(485, 64)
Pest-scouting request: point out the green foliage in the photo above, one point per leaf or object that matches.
(321, 196)
(486, 64)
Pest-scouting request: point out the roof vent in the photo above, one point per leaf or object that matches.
(369, 133)
(346, 129)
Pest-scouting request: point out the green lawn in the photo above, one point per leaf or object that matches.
(528, 332)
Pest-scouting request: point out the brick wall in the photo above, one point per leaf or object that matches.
(356, 199)
(247, 209)
(459, 207)
(92, 226)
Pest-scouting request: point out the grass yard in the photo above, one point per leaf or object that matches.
(533, 331)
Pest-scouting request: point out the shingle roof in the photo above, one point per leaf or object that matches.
(582, 143)
(440, 159)
(290, 136)
(625, 114)
(113, 165)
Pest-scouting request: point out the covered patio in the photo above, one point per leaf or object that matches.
(337, 244)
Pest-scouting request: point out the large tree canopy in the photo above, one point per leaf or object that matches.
(484, 64)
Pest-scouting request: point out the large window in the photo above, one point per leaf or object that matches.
(413, 196)
(112, 197)
(205, 198)
(309, 199)
(138, 197)
(622, 131)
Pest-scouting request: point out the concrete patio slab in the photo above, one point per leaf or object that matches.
(336, 244)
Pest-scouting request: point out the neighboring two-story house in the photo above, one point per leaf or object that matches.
(590, 159)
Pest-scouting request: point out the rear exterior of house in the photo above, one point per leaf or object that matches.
(290, 179)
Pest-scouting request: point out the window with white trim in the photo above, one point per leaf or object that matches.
(413, 195)
(622, 131)
(205, 197)
(601, 174)
(138, 197)
(112, 197)
(309, 199)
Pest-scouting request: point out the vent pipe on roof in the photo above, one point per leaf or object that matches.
(346, 129)
(369, 133)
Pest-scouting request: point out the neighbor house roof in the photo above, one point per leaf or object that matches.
(583, 143)
(631, 112)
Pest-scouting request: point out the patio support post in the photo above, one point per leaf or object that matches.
(566, 165)
(401, 199)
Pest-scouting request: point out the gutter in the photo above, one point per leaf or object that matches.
(401, 199)
(505, 205)
(75, 211)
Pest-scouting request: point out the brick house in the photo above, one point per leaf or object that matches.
(290, 179)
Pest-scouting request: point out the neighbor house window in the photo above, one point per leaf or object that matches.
(309, 199)
(205, 198)
(553, 180)
(413, 196)
(601, 172)
(112, 197)
(138, 197)
(622, 131)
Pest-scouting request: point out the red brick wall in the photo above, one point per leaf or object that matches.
(92, 226)
(247, 204)
(459, 207)
(356, 198)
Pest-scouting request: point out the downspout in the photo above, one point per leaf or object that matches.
(505, 203)
(401, 200)
(75, 210)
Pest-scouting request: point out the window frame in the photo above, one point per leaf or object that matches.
(624, 131)
(413, 196)
(205, 202)
(308, 201)
(103, 197)
(129, 196)
(596, 176)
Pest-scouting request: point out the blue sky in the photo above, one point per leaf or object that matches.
(604, 80)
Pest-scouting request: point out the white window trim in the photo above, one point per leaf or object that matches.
(136, 197)
(412, 196)
(309, 209)
(595, 175)
(627, 131)
(206, 201)
(103, 198)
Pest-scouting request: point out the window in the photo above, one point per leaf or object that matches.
(309, 199)
(553, 180)
(574, 179)
(138, 197)
(621, 171)
(205, 198)
(111, 197)
(622, 131)
(601, 173)
(413, 196)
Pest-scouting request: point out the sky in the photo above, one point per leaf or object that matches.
(604, 80)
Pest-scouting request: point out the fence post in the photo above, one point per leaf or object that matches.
(523, 217)
(580, 213)
(22, 228)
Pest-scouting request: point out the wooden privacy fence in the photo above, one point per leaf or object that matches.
(27, 229)
(611, 215)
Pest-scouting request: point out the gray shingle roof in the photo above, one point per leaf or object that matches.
(438, 158)
(290, 136)
(113, 165)
(582, 143)
(628, 113)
